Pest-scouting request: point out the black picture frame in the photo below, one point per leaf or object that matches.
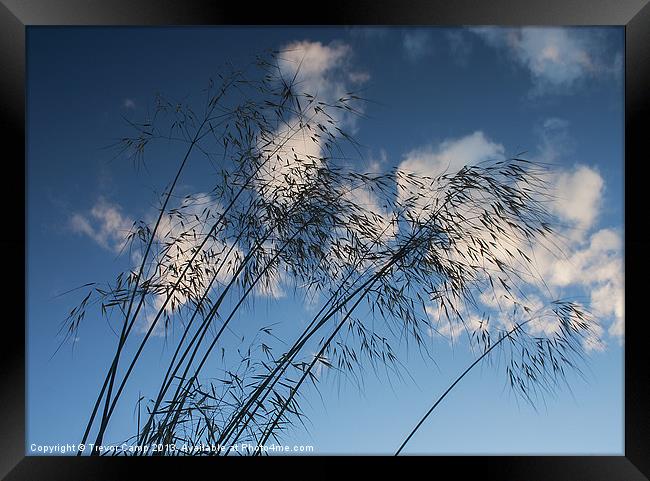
(634, 15)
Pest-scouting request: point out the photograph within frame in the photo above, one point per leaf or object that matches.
(396, 123)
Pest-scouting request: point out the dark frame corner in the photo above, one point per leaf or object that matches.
(17, 15)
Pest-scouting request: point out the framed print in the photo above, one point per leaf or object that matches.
(385, 233)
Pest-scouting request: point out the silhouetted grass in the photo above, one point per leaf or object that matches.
(279, 210)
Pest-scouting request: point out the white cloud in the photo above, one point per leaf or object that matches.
(109, 227)
(182, 239)
(320, 70)
(451, 155)
(578, 196)
(327, 72)
(557, 58)
(596, 266)
(322, 363)
(324, 71)
(581, 260)
(271, 287)
(584, 257)
(577, 191)
(594, 257)
(609, 300)
(105, 224)
(376, 164)
(291, 160)
(417, 44)
(312, 60)
(128, 104)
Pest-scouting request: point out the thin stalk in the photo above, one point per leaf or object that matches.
(125, 330)
(228, 319)
(367, 286)
(233, 312)
(169, 375)
(283, 364)
(458, 379)
(274, 376)
(204, 326)
(369, 283)
(110, 378)
(108, 413)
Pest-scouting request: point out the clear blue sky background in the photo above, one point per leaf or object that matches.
(427, 86)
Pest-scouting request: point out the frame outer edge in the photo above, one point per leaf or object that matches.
(634, 13)
(637, 243)
(12, 239)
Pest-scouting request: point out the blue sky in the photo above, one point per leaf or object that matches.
(438, 96)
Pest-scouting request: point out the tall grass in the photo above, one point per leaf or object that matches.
(377, 253)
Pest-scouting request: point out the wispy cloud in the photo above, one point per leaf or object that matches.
(107, 226)
(104, 223)
(128, 104)
(460, 46)
(454, 331)
(359, 77)
(555, 142)
(557, 58)
(417, 44)
(377, 163)
(272, 284)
